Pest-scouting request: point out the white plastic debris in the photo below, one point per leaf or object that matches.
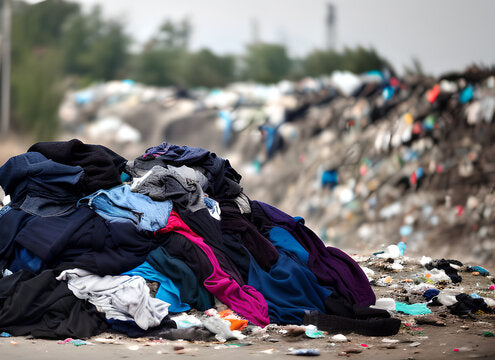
(221, 329)
(184, 321)
(391, 251)
(446, 299)
(438, 275)
(339, 338)
(425, 260)
(384, 304)
(390, 341)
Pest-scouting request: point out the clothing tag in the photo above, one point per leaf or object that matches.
(212, 207)
(137, 181)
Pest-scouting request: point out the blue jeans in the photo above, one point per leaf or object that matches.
(121, 204)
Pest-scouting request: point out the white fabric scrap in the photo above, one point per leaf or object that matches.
(119, 297)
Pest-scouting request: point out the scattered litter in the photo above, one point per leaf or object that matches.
(313, 333)
(268, 351)
(390, 341)
(304, 352)
(385, 304)
(412, 309)
(479, 270)
(339, 338)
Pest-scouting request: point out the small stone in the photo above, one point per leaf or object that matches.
(351, 351)
(430, 320)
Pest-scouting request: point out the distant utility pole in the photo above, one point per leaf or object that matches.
(5, 101)
(331, 27)
(255, 31)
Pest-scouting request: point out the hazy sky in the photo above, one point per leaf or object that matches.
(444, 34)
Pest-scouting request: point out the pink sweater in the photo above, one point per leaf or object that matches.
(245, 300)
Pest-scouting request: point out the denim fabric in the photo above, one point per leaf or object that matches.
(4, 209)
(25, 260)
(11, 222)
(120, 204)
(82, 239)
(40, 186)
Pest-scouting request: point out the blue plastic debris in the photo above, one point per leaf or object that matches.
(402, 247)
(466, 94)
(330, 178)
(304, 352)
(5, 334)
(479, 269)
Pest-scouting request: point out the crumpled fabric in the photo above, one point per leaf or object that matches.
(167, 292)
(40, 186)
(102, 166)
(120, 297)
(120, 203)
(245, 300)
(223, 180)
(412, 309)
(162, 184)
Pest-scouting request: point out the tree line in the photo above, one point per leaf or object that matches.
(55, 45)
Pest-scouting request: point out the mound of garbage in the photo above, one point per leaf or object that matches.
(368, 160)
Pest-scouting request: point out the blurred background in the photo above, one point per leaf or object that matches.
(371, 119)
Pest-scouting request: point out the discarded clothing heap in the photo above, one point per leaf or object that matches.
(78, 247)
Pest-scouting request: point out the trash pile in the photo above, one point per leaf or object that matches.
(369, 160)
(382, 161)
(90, 241)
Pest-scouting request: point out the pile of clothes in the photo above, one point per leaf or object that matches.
(87, 232)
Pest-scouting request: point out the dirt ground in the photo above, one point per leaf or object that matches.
(453, 337)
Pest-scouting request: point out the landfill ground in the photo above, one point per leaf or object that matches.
(443, 336)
